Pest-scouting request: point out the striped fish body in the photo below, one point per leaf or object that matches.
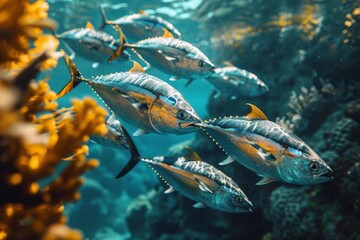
(136, 97)
(268, 135)
(237, 82)
(175, 57)
(269, 150)
(186, 176)
(137, 27)
(92, 45)
(238, 148)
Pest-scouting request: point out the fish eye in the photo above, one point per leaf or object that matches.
(182, 115)
(314, 166)
(238, 199)
(202, 63)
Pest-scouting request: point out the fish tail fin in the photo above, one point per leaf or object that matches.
(104, 19)
(122, 43)
(75, 80)
(135, 156)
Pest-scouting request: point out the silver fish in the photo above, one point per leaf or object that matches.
(236, 83)
(93, 45)
(115, 137)
(195, 179)
(174, 57)
(139, 99)
(141, 26)
(267, 149)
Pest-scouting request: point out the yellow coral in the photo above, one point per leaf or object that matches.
(34, 134)
(21, 22)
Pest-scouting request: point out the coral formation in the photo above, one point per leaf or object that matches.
(36, 136)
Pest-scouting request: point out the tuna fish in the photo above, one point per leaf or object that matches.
(195, 179)
(267, 149)
(115, 137)
(236, 83)
(173, 56)
(141, 26)
(139, 99)
(93, 45)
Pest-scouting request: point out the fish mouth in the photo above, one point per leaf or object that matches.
(325, 177)
(188, 124)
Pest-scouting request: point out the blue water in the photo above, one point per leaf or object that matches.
(289, 56)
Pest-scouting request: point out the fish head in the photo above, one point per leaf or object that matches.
(305, 170)
(198, 65)
(173, 114)
(259, 88)
(232, 200)
(253, 86)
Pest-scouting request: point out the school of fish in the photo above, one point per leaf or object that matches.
(153, 106)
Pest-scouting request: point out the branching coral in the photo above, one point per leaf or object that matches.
(35, 137)
(22, 38)
(298, 103)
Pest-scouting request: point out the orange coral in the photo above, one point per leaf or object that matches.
(34, 134)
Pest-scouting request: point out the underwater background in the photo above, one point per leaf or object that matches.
(308, 54)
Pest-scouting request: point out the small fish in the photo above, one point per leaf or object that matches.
(141, 26)
(236, 83)
(267, 149)
(139, 99)
(195, 179)
(93, 45)
(173, 56)
(115, 137)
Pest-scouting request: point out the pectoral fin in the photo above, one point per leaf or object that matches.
(203, 187)
(199, 205)
(189, 82)
(228, 160)
(95, 65)
(265, 180)
(141, 107)
(174, 78)
(140, 132)
(169, 190)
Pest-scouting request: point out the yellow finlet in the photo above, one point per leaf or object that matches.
(255, 113)
(89, 25)
(137, 68)
(192, 155)
(142, 12)
(167, 34)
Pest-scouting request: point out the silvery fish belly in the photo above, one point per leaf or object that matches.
(175, 57)
(268, 149)
(137, 27)
(146, 102)
(237, 82)
(92, 45)
(204, 184)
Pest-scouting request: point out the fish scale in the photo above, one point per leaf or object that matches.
(171, 42)
(266, 129)
(209, 171)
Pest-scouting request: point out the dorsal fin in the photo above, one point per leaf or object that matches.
(255, 113)
(89, 25)
(167, 34)
(137, 68)
(192, 155)
(228, 64)
(142, 12)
